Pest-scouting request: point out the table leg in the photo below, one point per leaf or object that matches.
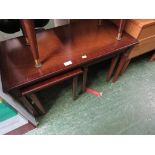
(152, 57)
(85, 72)
(24, 32)
(119, 68)
(121, 28)
(28, 105)
(125, 66)
(74, 87)
(36, 101)
(112, 67)
(29, 31)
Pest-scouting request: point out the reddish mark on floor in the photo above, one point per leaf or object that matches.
(93, 92)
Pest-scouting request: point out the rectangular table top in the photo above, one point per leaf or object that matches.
(80, 43)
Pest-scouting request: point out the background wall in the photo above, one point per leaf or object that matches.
(52, 23)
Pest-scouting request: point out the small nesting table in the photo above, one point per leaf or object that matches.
(29, 92)
(78, 45)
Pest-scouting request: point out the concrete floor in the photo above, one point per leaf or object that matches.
(126, 107)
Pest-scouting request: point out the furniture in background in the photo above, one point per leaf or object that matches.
(120, 23)
(61, 49)
(13, 25)
(144, 31)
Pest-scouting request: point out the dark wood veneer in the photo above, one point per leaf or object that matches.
(56, 46)
(47, 83)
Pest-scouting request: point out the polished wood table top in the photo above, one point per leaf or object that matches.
(81, 43)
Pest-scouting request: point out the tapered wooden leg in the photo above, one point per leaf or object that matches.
(74, 87)
(119, 68)
(121, 28)
(24, 32)
(29, 30)
(85, 72)
(152, 57)
(36, 101)
(125, 67)
(112, 67)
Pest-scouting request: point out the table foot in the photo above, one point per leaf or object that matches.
(38, 63)
(121, 29)
(119, 36)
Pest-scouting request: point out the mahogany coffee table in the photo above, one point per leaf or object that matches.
(61, 49)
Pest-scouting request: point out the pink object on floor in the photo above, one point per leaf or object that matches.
(93, 92)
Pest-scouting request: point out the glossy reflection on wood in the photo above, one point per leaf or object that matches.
(24, 31)
(30, 90)
(78, 45)
(57, 46)
(30, 36)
